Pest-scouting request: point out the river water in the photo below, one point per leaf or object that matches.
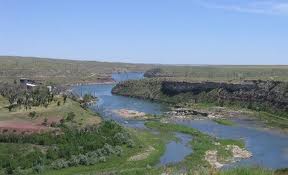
(269, 147)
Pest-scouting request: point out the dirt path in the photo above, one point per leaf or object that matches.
(143, 155)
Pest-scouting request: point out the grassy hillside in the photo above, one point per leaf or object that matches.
(53, 113)
(61, 71)
(222, 73)
(71, 71)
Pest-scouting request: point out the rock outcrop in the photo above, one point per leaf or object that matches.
(255, 94)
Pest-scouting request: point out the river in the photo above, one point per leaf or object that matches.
(269, 147)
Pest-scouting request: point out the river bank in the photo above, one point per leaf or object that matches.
(218, 100)
(255, 138)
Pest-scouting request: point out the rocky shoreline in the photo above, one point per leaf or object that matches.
(211, 156)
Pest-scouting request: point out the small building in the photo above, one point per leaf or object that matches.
(29, 84)
(50, 88)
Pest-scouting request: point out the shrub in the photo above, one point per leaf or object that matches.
(108, 149)
(62, 121)
(38, 168)
(118, 150)
(120, 138)
(83, 160)
(70, 116)
(53, 124)
(64, 98)
(130, 143)
(45, 122)
(51, 154)
(32, 114)
(59, 164)
(19, 171)
(102, 159)
(74, 161)
(93, 160)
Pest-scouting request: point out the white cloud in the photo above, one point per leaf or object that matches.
(260, 7)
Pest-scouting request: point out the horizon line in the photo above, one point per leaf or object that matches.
(167, 64)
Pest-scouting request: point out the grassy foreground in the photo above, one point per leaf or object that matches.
(144, 140)
(123, 165)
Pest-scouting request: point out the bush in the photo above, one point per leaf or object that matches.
(74, 161)
(52, 154)
(53, 124)
(93, 160)
(118, 150)
(32, 114)
(70, 116)
(102, 159)
(83, 159)
(38, 168)
(45, 122)
(59, 164)
(130, 143)
(120, 138)
(108, 149)
(19, 171)
(74, 146)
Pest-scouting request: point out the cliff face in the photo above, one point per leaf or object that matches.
(266, 94)
(269, 96)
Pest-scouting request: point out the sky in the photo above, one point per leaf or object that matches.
(147, 31)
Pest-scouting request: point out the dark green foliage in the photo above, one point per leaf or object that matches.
(70, 116)
(32, 114)
(64, 98)
(73, 147)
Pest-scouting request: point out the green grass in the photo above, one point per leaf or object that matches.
(224, 72)
(246, 171)
(200, 144)
(224, 122)
(53, 112)
(121, 164)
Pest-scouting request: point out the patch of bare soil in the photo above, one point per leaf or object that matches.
(211, 158)
(237, 153)
(143, 155)
(21, 127)
(130, 114)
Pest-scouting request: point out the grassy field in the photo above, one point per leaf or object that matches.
(224, 72)
(60, 70)
(53, 113)
(69, 71)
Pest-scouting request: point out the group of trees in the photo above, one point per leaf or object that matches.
(72, 147)
(19, 96)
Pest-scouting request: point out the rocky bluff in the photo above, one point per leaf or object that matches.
(270, 96)
(255, 94)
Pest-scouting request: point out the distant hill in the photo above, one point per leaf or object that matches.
(60, 70)
(220, 72)
(72, 71)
